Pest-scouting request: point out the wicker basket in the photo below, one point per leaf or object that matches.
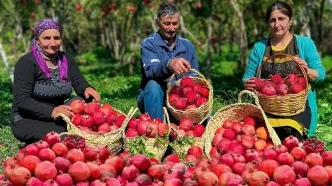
(154, 147)
(112, 139)
(237, 112)
(181, 149)
(196, 115)
(289, 104)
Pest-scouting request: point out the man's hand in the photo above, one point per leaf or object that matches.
(91, 92)
(180, 65)
(64, 109)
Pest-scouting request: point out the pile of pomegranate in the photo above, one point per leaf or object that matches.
(292, 84)
(93, 118)
(186, 127)
(188, 95)
(67, 162)
(146, 126)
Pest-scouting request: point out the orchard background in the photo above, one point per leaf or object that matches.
(105, 36)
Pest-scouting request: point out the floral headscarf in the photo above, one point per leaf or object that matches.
(38, 53)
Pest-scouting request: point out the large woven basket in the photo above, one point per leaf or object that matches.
(156, 147)
(181, 149)
(237, 112)
(196, 115)
(112, 139)
(289, 104)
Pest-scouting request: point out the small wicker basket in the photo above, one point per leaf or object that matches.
(112, 139)
(156, 147)
(181, 149)
(237, 112)
(289, 104)
(196, 115)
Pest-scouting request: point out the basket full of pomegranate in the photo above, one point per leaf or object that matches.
(185, 135)
(144, 135)
(98, 124)
(190, 97)
(282, 96)
(243, 125)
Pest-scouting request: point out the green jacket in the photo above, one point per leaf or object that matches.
(307, 52)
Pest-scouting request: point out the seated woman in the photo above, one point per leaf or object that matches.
(282, 41)
(43, 80)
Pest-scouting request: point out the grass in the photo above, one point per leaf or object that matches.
(119, 89)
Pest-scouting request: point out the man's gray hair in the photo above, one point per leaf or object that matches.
(166, 9)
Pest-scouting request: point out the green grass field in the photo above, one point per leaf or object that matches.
(119, 89)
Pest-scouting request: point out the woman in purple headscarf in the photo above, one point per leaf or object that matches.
(43, 80)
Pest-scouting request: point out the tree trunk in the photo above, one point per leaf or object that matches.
(5, 60)
(243, 42)
(209, 43)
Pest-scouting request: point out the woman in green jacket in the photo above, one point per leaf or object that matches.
(282, 41)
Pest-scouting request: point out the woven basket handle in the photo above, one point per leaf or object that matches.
(166, 116)
(173, 75)
(272, 57)
(251, 94)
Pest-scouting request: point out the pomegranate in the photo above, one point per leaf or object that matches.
(152, 130)
(318, 175)
(98, 118)
(282, 89)
(142, 127)
(46, 154)
(64, 179)
(290, 142)
(130, 172)
(143, 180)
(285, 159)
(77, 106)
(106, 108)
(302, 82)
(276, 78)
(268, 90)
(300, 168)
(259, 178)
(33, 181)
(227, 159)
(163, 129)
(295, 88)
(20, 176)
(133, 123)
(130, 133)
(29, 162)
(52, 138)
(114, 182)
(204, 92)
(208, 179)
(291, 79)
(173, 182)
(94, 169)
(313, 145)
(141, 162)
(259, 84)
(75, 155)
(284, 174)
(229, 134)
(302, 182)
(31, 149)
(112, 117)
(61, 164)
(59, 149)
(186, 124)
(186, 82)
(116, 162)
(119, 121)
(313, 159)
(79, 171)
(191, 98)
(327, 157)
(86, 121)
(181, 104)
(196, 151)
(268, 166)
(91, 108)
(45, 170)
(104, 152)
(270, 153)
(200, 101)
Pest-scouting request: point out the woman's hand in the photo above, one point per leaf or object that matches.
(91, 92)
(64, 109)
(311, 73)
(304, 64)
(249, 84)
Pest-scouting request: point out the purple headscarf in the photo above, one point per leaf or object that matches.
(38, 53)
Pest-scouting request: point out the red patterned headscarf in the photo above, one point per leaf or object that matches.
(38, 53)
